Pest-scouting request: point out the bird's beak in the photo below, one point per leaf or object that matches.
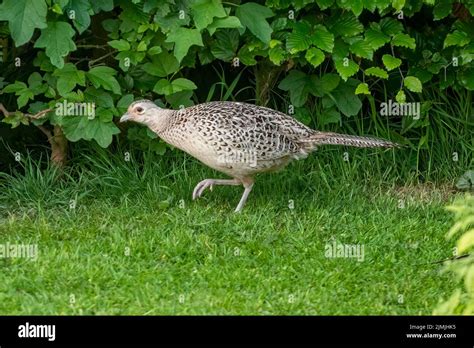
(125, 117)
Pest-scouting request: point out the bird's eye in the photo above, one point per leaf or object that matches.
(139, 110)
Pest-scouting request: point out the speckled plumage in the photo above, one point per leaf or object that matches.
(238, 139)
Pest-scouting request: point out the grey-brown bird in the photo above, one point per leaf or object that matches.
(238, 139)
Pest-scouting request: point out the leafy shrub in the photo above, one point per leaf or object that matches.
(330, 57)
(462, 300)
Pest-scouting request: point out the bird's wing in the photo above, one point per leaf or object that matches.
(240, 129)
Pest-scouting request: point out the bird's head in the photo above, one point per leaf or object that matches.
(142, 111)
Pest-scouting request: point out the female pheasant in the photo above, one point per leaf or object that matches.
(238, 139)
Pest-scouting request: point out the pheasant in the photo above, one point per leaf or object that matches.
(238, 139)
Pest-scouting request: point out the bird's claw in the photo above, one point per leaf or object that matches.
(201, 186)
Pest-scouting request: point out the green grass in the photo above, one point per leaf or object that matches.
(204, 259)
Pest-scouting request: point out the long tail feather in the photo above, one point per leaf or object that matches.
(329, 138)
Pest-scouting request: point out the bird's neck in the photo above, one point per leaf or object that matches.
(161, 122)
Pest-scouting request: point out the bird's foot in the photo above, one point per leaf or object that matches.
(201, 186)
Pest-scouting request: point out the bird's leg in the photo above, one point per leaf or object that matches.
(201, 186)
(248, 184)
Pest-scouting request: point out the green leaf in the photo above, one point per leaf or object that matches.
(154, 50)
(328, 116)
(78, 11)
(50, 92)
(104, 115)
(179, 99)
(299, 85)
(43, 62)
(341, 50)
(246, 56)
(172, 21)
(203, 12)
(328, 101)
(225, 45)
(376, 38)
(401, 97)
(315, 86)
(76, 96)
(398, 4)
(132, 14)
(141, 46)
(300, 37)
(79, 127)
(182, 84)
(315, 56)
(279, 24)
(322, 38)
(276, 55)
(183, 39)
(162, 65)
(124, 103)
(102, 5)
(104, 76)
(100, 97)
(228, 22)
(329, 82)
(457, 38)
(324, 4)
(466, 78)
(346, 100)
(68, 78)
(442, 9)
(253, 16)
(35, 82)
(24, 97)
(133, 57)
(404, 40)
(346, 67)
(391, 62)
(412, 83)
(377, 72)
(345, 24)
(356, 6)
(57, 9)
(15, 87)
(362, 48)
(16, 119)
(22, 91)
(57, 39)
(166, 87)
(303, 115)
(111, 25)
(390, 26)
(120, 45)
(422, 74)
(362, 88)
(23, 17)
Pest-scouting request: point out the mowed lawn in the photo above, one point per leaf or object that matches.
(130, 240)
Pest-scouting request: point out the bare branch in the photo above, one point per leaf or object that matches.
(4, 110)
(93, 61)
(92, 46)
(36, 116)
(40, 114)
(46, 132)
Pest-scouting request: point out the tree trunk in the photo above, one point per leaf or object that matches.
(266, 76)
(59, 146)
